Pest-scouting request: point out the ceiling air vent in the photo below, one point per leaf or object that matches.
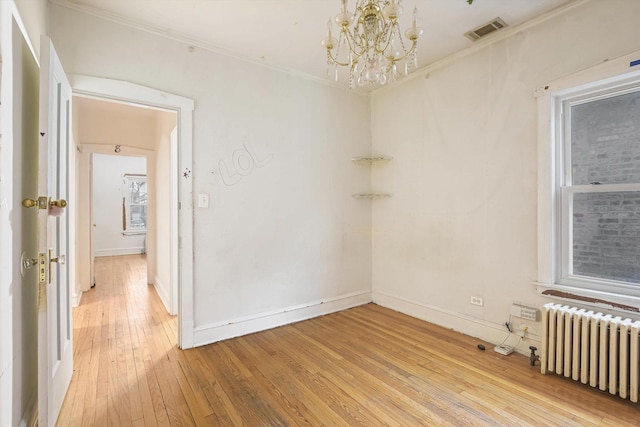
(486, 29)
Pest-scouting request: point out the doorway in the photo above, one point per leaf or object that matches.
(124, 187)
(182, 197)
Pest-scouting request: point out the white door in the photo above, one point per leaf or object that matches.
(55, 352)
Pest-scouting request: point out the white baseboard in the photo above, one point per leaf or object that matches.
(75, 298)
(486, 331)
(163, 293)
(118, 251)
(236, 327)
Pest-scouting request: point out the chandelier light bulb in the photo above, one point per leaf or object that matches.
(395, 48)
(415, 17)
(392, 10)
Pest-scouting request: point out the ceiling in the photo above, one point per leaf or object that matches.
(87, 105)
(286, 34)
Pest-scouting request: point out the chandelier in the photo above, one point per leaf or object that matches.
(370, 43)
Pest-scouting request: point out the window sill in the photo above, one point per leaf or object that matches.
(134, 233)
(623, 305)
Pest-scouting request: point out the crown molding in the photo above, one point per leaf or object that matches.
(189, 42)
(483, 43)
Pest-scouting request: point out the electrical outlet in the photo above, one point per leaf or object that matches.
(524, 312)
(476, 301)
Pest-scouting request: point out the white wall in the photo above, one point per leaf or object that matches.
(107, 204)
(162, 262)
(462, 221)
(84, 249)
(111, 123)
(286, 234)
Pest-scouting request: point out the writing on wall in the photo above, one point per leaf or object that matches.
(243, 163)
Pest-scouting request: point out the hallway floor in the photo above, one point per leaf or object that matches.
(122, 340)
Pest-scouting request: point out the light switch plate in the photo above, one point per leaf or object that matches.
(203, 200)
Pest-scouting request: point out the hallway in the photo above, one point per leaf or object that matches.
(124, 341)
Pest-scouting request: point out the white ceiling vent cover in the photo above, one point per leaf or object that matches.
(486, 29)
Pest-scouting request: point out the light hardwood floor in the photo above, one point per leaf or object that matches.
(366, 366)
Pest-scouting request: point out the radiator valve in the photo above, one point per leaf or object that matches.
(533, 356)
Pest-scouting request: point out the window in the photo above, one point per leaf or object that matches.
(597, 188)
(134, 204)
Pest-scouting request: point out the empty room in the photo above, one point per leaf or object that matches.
(320, 212)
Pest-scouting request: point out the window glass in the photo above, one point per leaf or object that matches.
(606, 235)
(605, 140)
(598, 239)
(135, 203)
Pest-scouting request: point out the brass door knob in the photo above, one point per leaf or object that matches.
(40, 202)
(62, 203)
(44, 203)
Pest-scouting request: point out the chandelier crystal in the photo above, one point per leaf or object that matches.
(370, 43)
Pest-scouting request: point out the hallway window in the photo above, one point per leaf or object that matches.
(134, 204)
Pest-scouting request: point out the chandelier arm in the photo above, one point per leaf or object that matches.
(376, 46)
(406, 55)
(335, 61)
(348, 36)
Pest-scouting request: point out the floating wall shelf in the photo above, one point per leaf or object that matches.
(371, 160)
(372, 196)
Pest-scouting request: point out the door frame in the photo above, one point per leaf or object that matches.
(9, 15)
(182, 200)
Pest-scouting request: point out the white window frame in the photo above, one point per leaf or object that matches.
(554, 189)
(127, 178)
(565, 189)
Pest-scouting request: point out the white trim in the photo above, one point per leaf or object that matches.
(118, 90)
(161, 290)
(211, 333)
(141, 232)
(483, 330)
(134, 250)
(76, 297)
(611, 73)
(173, 219)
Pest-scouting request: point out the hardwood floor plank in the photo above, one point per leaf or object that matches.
(366, 366)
